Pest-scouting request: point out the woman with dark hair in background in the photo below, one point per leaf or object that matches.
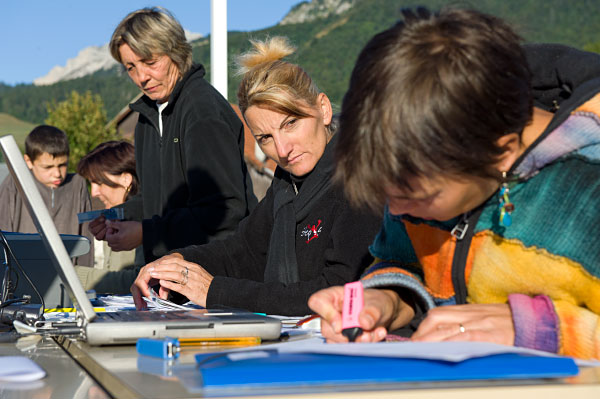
(110, 169)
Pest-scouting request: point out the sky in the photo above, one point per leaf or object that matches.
(40, 34)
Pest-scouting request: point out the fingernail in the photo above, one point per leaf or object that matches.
(151, 269)
(334, 325)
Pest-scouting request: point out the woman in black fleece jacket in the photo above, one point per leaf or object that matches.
(303, 236)
(188, 145)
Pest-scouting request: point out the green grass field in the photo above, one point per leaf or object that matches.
(18, 128)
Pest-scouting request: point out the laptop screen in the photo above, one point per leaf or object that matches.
(44, 224)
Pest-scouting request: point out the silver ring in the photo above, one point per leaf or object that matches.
(461, 328)
(184, 274)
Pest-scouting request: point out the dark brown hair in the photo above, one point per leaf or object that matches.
(110, 158)
(431, 96)
(48, 139)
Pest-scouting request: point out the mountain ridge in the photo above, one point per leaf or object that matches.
(98, 58)
(88, 61)
(326, 46)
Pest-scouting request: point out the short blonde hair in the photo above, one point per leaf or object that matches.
(273, 83)
(150, 32)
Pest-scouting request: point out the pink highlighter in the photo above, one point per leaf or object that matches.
(353, 304)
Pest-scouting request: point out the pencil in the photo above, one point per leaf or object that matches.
(307, 319)
(226, 341)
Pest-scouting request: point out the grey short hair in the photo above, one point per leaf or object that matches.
(153, 31)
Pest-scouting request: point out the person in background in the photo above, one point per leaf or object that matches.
(303, 236)
(486, 157)
(188, 141)
(110, 169)
(65, 194)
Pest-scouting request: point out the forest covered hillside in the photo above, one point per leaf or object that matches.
(326, 47)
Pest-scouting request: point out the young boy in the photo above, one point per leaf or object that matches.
(65, 194)
(484, 156)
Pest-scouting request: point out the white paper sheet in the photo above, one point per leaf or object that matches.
(445, 351)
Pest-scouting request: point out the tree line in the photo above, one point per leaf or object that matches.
(326, 49)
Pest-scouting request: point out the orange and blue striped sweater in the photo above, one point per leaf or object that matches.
(546, 264)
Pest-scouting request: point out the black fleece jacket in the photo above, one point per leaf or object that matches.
(331, 249)
(194, 182)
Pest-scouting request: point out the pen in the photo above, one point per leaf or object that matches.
(308, 322)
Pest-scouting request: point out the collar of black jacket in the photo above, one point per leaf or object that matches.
(197, 71)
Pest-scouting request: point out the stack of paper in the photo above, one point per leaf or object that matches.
(156, 303)
(117, 302)
(125, 302)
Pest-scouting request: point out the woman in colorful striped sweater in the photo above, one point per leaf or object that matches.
(486, 155)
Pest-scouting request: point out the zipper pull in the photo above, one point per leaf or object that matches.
(461, 227)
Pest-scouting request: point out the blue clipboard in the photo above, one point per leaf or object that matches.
(269, 370)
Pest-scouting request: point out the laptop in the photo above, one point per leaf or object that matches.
(31, 252)
(125, 327)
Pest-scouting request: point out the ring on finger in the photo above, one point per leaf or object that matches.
(461, 328)
(184, 275)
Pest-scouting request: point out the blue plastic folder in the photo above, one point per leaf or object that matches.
(269, 370)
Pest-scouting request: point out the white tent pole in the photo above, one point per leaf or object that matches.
(218, 45)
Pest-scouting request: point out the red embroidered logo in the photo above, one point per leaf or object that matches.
(312, 232)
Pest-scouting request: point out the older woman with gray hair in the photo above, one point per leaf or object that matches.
(188, 145)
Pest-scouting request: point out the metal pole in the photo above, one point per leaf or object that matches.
(218, 45)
